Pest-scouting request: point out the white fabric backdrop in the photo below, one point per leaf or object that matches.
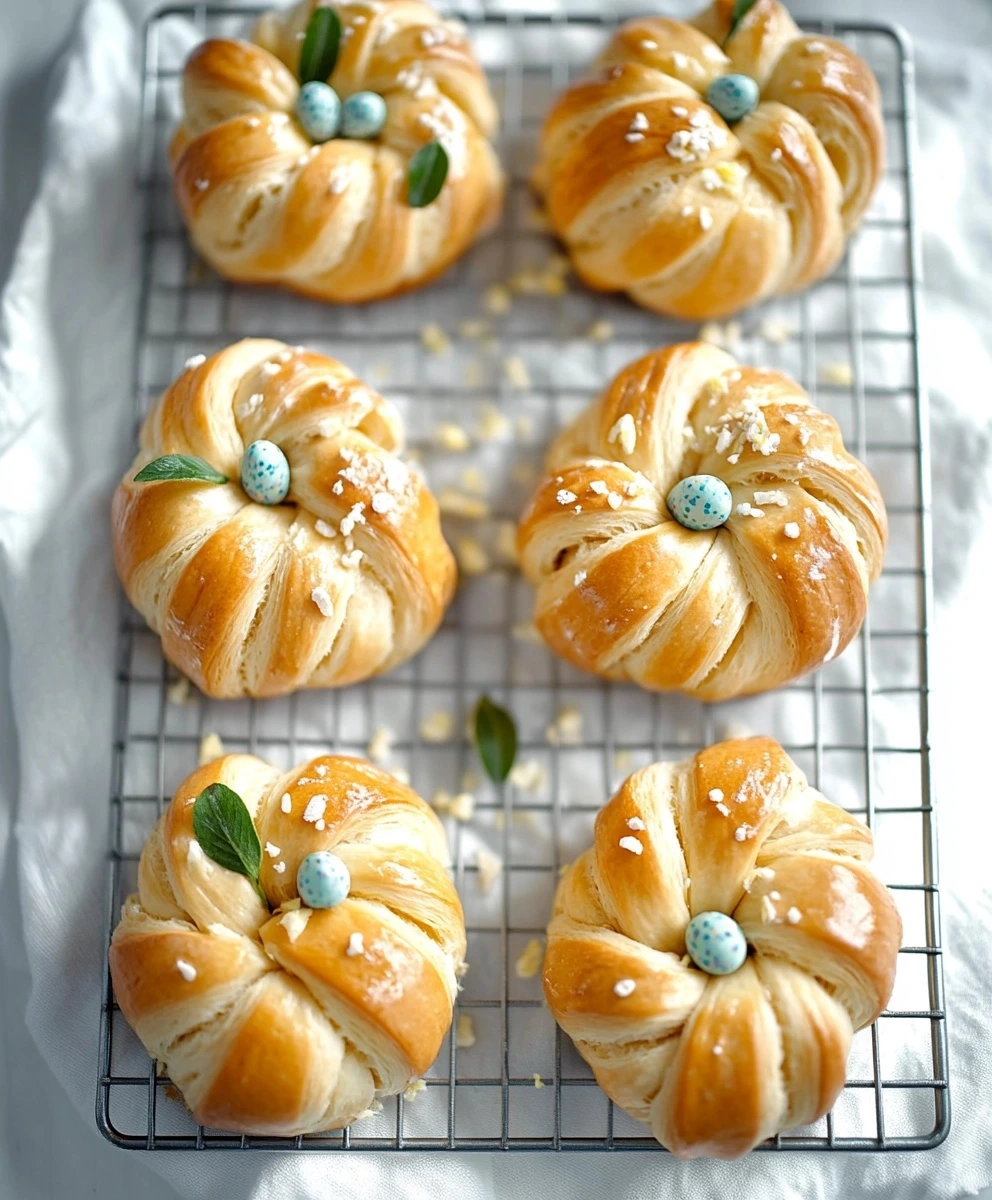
(66, 328)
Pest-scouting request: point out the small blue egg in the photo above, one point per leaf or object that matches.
(733, 96)
(265, 473)
(716, 943)
(318, 110)
(363, 115)
(700, 502)
(322, 880)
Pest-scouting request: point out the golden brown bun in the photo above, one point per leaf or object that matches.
(265, 205)
(654, 195)
(715, 1064)
(625, 591)
(265, 1021)
(229, 584)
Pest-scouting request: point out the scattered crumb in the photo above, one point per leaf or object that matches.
(623, 760)
(211, 748)
(414, 1090)
(474, 480)
(465, 1032)
(506, 541)
(380, 744)
(490, 867)
(470, 781)
(434, 339)
(538, 1081)
(437, 726)
(381, 372)
(373, 1110)
(462, 806)
(527, 631)
(457, 504)
(839, 373)
(523, 473)
(294, 921)
(179, 691)
(529, 776)
(473, 329)
(497, 299)
(566, 729)
(450, 436)
(731, 730)
(728, 336)
(472, 558)
(492, 424)
(472, 374)
(775, 329)
(515, 370)
(529, 960)
(600, 331)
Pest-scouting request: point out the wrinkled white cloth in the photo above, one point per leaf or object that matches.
(66, 344)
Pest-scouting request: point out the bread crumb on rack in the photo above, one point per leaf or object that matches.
(529, 960)
(464, 1032)
(526, 631)
(437, 726)
(211, 748)
(380, 744)
(492, 424)
(180, 691)
(457, 504)
(434, 339)
(414, 1090)
(490, 867)
(600, 331)
(373, 1110)
(538, 1081)
(450, 436)
(623, 760)
(775, 329)
(476, 328)
(474, 480)
(515, 370)
(727, 336)
(529, 776)
(506, 541)
(497, 299)
(838, 373)
(462, 806)
(566, 729)
(472, 558)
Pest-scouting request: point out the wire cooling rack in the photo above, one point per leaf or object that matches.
(858, 727)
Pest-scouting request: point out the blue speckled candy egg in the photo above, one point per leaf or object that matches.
(700, 502)
(265, 473)
(716, 943)
(322, 880)
(733, 96)
(318, 110)
(363, 115)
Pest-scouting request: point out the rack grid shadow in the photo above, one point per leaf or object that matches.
(859, 726)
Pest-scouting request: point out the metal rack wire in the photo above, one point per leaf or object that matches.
(859, 727)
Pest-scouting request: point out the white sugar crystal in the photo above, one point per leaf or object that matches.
(356, 945)
(722, 809)
(354, 517)
(564, 496)
(624, 431)
(716, 795)
(279, 868)
(578, 578)
(322, 598)
(272, 851)
(325, 530)
(791, 530)
(635, 823)
(194, 361)
(286, 803)
(383, 502)
(776, 155)
(186, 969)
(705, 218)
(339, 180)
(687, 210)
(793, 916)
(767, 910)
(639, 123)
(633, 137)
(743, 832)
(679, 110)
(623, 987)
(777, 498)
(648, 44)
(632, 844)
(314, 811)
(294, 922)
(614, 500)
(599, 487)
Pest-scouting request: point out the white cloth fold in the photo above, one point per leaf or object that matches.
(66, 346)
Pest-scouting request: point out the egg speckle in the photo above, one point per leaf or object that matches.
(716, 943)
(323, 880)
(318, 110)
(363, 115)
(265, 473)
(733, 96)
(700, 502)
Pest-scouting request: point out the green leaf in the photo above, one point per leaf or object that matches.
(224, 829)
(319, 52)
(741, 9)
(426, 175)
(495, 738)
(179, 466)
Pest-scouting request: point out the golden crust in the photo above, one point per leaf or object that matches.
(625, 591)
(716, 1064)
(264, 205)
(654, 195)
(229, 584)
(271, 1022)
